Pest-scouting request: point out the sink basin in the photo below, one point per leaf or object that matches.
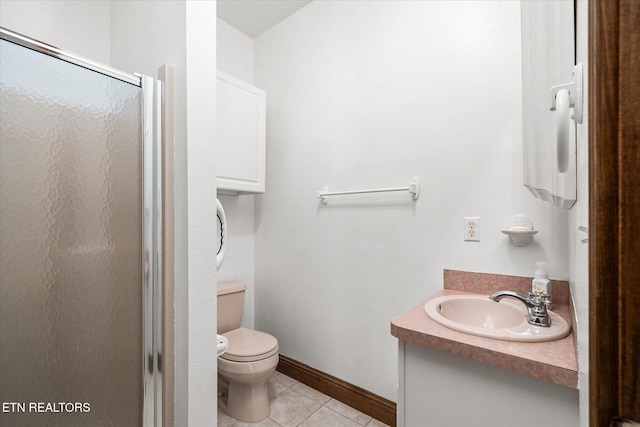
(505, 320)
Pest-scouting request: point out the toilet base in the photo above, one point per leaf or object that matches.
(242, 388)
(245, 402)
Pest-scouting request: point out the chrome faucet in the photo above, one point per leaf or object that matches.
(537, 306)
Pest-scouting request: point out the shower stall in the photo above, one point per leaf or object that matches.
(80, 241)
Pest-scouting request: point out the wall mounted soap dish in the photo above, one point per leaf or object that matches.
(520, 230)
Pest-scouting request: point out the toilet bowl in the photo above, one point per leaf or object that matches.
(251, 357)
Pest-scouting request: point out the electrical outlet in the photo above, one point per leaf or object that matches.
(472, 228)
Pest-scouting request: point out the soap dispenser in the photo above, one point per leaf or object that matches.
(540, 283)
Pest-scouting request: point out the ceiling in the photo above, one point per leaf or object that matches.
(253, 17)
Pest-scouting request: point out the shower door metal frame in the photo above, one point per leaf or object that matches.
(152, 251)
(151, 216)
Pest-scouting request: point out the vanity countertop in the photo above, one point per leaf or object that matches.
(554, 361)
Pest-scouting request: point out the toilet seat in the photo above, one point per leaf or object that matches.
(247, 345)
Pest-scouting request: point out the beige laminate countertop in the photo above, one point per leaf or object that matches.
(554, 361)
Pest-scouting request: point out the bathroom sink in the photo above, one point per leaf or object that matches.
(505, 320)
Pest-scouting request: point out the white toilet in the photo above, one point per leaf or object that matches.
(250, 359)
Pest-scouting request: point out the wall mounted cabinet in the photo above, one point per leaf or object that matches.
(241, 126)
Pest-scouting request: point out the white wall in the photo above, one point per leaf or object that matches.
(371, 94)
(235, 52)
(79, 27)
(579, 215)
(235, 57)
(201, 209)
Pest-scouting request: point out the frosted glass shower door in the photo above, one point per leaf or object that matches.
(71, 244)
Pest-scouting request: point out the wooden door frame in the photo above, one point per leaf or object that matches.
(614, 207)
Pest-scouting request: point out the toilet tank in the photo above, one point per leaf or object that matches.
(230, 303)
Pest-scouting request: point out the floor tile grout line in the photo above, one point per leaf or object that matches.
(290, 388)
(350, 419)
(277, 423)
(309, 416)
(335, 412)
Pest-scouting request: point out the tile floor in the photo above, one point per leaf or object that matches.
(295, 404)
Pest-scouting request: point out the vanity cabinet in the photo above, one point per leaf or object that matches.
(241, 134)
(437, 388)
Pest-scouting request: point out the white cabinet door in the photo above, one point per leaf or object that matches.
(241, 126)
(442, 389)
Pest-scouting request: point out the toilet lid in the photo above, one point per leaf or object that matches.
(248, 345)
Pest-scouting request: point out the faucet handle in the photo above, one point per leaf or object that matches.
(540, 297)
(536, 298)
